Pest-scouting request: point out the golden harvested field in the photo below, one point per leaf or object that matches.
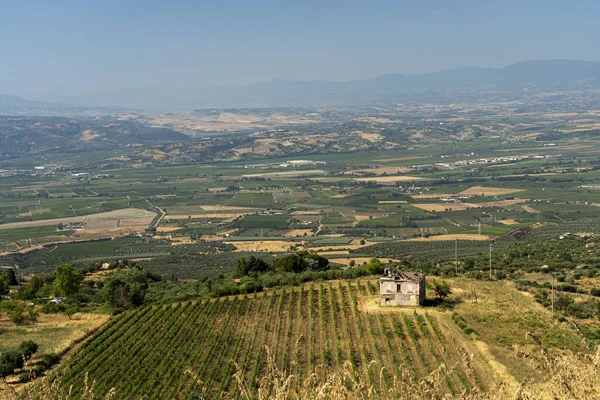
(296, 232)
(165, 229)
(392, 202)
(446, 206)
(508, 221)
(341, 195)
(489, 191)
(391, 179)
(366, 216)
(264, 245)
(502, 203)
(129, 213)
(459, 236)
(530, 210)
(334, 252)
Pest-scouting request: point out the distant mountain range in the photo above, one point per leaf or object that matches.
(453, 84)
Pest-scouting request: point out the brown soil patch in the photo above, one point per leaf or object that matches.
(302, 195)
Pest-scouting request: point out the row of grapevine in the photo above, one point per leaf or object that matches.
(196, 347)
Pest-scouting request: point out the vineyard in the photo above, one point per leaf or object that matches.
(197, 347)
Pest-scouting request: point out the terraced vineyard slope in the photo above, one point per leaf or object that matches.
(230, 344)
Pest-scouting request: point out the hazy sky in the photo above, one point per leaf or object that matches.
(85, 46)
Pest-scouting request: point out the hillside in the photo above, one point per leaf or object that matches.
(297, 339)
(30, 135)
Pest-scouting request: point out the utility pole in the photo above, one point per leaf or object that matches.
(553, 294)
(456, 255)
(491, 244)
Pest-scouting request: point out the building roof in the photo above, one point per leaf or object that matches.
(403, 275)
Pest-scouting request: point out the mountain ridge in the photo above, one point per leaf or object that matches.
(556, 74)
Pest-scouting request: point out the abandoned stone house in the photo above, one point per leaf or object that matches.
(402, 288)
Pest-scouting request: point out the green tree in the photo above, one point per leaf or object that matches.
(126, 288)
(9, 361)
(316, 262)
(66, 280)
(12, 277)
(33, 314)
(4, 289)
(290, 263)
(375, 266)
(30, 290)
(28, 348)
(15, 311)
(442, 290)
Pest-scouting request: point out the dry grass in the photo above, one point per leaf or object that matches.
(53, 332)
(570, 377)
(164, 229)
(265, 245)
(489, 191)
